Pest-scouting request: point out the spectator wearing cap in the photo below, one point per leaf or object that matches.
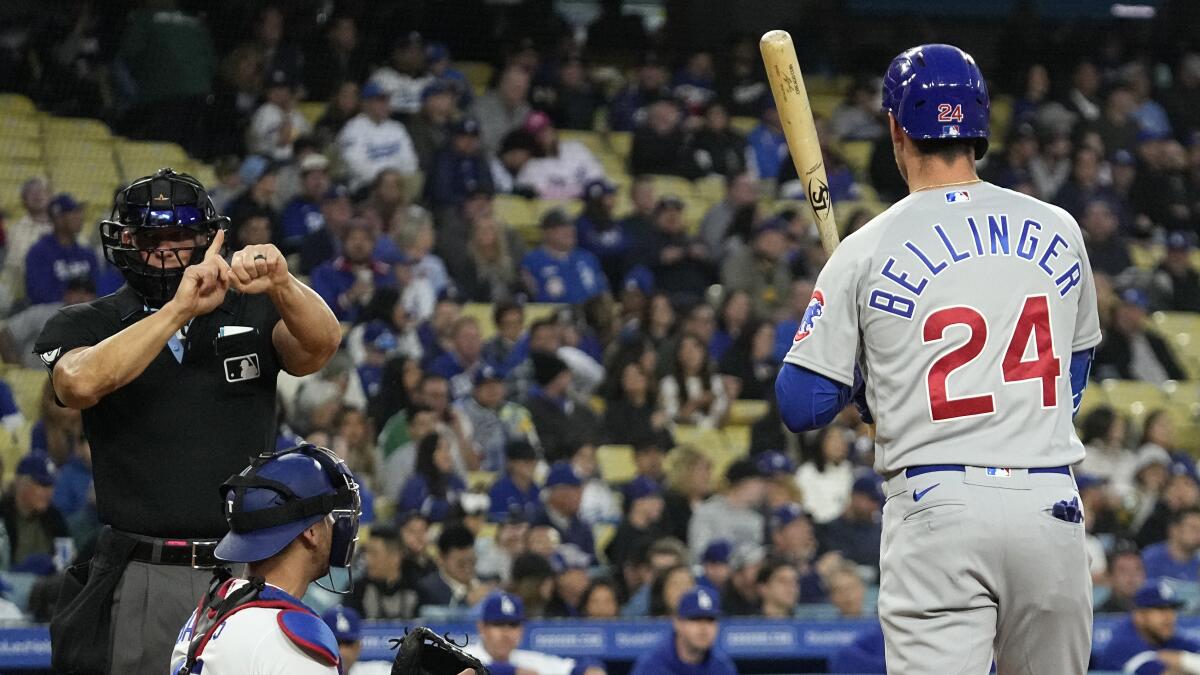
(383, 592)
(1147, 641)
(277, 123)
(1176, 286)
(562, 497)
(1132, 352)
(733, 514)
(729, 224)
(691, 647)
(405, 75)
(642, 521)
(260, 175)
(455, 583)
(516, 491)
(780, 473)
(558, 270)
(504, 108)
(29, 517)
(347, 282)
(714, 563)
(792, 539)
(19, 236)
(302, 214)
(1176, 558)
(460, 168)
(682, 264)
(562, 423)
(377, 342)
(336, 59)
(560, 168)
(767, 145)
(501, 629)
(324, 244)
(373, 141)
(58, 257)
(463, 359)
(346, 625)
(599, 232)
(762, 269)
(431, 126)
(516, 149)
(494, 419)
(1107, 248)
(856, 533)
(660, 145)
(826, 477)
(437, 60)
(570, 581)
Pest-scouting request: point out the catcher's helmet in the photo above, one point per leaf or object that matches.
(936, 91)
(162, 202)
(283, 493)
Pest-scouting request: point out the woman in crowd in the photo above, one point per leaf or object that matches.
(600, 600)
(666, 589)
(433, 487)
(689, 483)
(632, 411)
(489, 271)
(825, 479)
(692, 393)
(749, 365)
(734, 318)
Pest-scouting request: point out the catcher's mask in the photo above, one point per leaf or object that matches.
(280, 495)
(151, 209)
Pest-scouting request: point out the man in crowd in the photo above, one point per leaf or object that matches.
(1130, 351)
(57, 258)
(31, 520)
(346, 625)
(691, 647)
(562, 497)
(347, 282)
(643, 514)
(856, 533)
(504, 108)
(733, 515)
(302, 215)
(372, 141)
(19, 236)
(1126, 575)
(405, 76)
(454, 584)
(501, 627)
(560, 271)
(383, 592)
(1176, 558)
(1147, 643)
(516, 491)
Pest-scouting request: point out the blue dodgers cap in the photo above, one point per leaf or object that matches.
(487, 374)
(434, 88)
(569, 557)
(772, 224)
(1180, 240)
(639, 278)
(501, 607)
(255, 167)
(562, 473)
(465, 126)
(775, 463)
(1136, 296)
(379, 334)
(786, 515)
(699, 603)
(372, 90)
(717, 551)
(39, 468)
(867, 486)
(436, 51)
(345, 623)
(597, 188)
(641, 487)
(63, 203)
(336, 191)
(1156, 595)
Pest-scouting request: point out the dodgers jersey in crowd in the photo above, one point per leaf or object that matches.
(963, 305)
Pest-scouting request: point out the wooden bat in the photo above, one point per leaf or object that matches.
(795, 114)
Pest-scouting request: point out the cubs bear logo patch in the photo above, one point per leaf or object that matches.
(816, 307)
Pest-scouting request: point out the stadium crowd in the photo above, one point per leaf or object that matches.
(626, 318)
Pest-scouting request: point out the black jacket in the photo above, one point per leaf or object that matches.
(1114, 355)
(50, 520)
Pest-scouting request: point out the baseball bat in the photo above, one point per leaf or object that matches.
(795, 114)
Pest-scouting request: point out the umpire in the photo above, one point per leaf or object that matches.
(175, 374)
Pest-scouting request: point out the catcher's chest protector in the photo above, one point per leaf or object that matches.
(222, 602)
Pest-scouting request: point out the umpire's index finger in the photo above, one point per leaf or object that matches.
(214, 249)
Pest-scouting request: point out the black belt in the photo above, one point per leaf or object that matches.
(198, 553)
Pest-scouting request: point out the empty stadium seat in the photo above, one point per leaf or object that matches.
(478, 74)
(743, 125)
(17, 172)
(746, 411)
(1145, 256)
(515, 211)
(602, 534)
(14, 446)
(15, 105)
(76, 128)
(17, 126)
(25, 150)
(616, 463)
(1134, 398)
(141, 158)
(1093, 397)
(26, 386)
(858, 156)
(621, 142)
(312, 111)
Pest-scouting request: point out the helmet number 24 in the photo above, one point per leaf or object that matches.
(950, 113)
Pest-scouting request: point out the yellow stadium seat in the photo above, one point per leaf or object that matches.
(101, 170)
(140, 158)
(1093, 397)
(710, 189)
(747, 411)
(19, 172)
(74, 128)
(27, 386)
(620, 142)
(598, 405)
(17, 126)
(1134, 398)
(516, 211)
(672, 185)
(312, 111)
(737, 438)
(481, 480)
(25, 150)
(602, 534)
(858, 156)
(571, 207)
(1001, 118)
(616, 463)
(14, 105)
(743, 125)
(1146, 256)
(1185, 395)
(79, 152)
(829, 86)
(14, 446)
(478, 74)
(1182, 331)
(823, 105)
(487, 531)
(10, 198)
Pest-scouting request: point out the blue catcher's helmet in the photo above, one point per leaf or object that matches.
(936, 91)
(280, 495)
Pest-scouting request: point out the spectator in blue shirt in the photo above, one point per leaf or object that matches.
(600, 233)
(516, 490)
(768, 147)
(57, 258)
(510, 346)
(863, 656)
(73, 487)
(460, 168)
(10, 415)
(1179, 556)
(559, 271)
(714, 560)
(347, 282)
(434, 487)
(856, 533)
(628, 107)
(691, 647)
(464, 358)
(302, 215)
(1147, 643)
(564, 496)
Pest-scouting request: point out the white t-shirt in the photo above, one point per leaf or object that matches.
(564, 176)
(368, 148)
(249, 643)
(262, 138)
(542, 664)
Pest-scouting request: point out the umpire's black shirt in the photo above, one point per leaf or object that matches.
(163, 444)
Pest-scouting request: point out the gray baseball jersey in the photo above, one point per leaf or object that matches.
(963, 305)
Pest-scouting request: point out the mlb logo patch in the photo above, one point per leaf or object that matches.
(242, 368)
(999, 473)
(816, 307)
(950, 130)
(958, 196)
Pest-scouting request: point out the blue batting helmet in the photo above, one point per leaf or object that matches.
(283, 493)
(936, 91)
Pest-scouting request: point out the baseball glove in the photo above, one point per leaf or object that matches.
(424, 652)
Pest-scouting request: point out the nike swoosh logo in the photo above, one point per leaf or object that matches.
(917, 494)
